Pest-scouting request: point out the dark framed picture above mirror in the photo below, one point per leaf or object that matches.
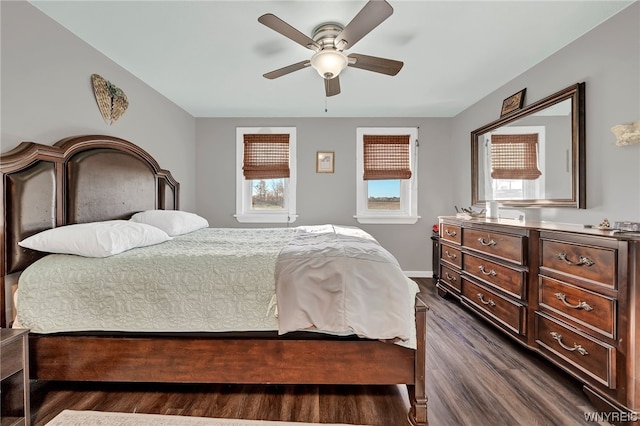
(534, 156)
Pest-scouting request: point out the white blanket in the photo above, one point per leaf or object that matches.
(337, 279)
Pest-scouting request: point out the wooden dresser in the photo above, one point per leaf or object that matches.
(570, 293)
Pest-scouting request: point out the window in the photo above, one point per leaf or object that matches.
(266, 174)
(387, 175)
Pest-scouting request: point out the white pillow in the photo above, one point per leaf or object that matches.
(173, 222)
(95, 239)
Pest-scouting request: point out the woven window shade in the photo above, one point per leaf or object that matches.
(266, 156)
(386, 157)
(514, 156)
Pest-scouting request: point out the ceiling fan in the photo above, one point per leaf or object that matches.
(329, 41)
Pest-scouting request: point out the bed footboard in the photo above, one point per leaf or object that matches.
(218, 360)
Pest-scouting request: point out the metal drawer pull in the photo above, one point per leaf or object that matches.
(484, 271)
(449, 233)
(576, 347)
(449, 277)
(581, 304)
(491, 242)
(581, 260)
(449, 255)
(489, 302)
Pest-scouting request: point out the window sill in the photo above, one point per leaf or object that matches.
(266, 218)
(400, 220)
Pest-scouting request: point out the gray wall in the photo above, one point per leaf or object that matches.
(607, 59)
(47, 95)
(329, 198)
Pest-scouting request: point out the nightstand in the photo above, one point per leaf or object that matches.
(14, 377)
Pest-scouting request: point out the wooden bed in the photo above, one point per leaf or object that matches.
(93, 178)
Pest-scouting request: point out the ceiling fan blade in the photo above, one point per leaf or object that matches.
(332, 86)
(286, 70)
(278, 25)
(375, 64)
(372, 14)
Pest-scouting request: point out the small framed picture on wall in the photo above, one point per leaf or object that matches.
(513, 103)
(325, 161)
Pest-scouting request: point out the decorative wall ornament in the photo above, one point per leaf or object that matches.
(627, 134)
(112, 101)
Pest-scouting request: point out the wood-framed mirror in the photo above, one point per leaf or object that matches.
(534, 156)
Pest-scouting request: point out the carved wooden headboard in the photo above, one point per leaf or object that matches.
(77, 180)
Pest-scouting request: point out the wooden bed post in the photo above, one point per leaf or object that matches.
(418, 390)
(3, 306)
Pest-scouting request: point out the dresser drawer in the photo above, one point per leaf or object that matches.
(452, 233)
(592, 310)
(593, 263)
(450, 277)
(504, 246)
(577, 351)
(451, 255)
(507, 279)
(506, 312)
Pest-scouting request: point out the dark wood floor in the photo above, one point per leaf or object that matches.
(475, 376)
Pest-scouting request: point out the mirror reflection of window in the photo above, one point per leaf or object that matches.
(515, 156)
(515, 176)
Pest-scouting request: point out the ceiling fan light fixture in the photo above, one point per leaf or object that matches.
(329, 63)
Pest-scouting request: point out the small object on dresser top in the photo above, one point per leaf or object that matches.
(627, 226)
(605, 225)
(492, 210)
(468, 212)
(512, 214)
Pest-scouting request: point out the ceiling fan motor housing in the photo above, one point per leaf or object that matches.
(325, 35)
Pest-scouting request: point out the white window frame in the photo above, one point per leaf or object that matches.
(408, 213)
(244, 210)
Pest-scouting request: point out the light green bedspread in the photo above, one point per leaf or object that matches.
(214, 279)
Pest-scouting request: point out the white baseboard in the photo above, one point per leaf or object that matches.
(418, 274)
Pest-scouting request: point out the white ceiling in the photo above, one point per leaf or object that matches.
(208, 57)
